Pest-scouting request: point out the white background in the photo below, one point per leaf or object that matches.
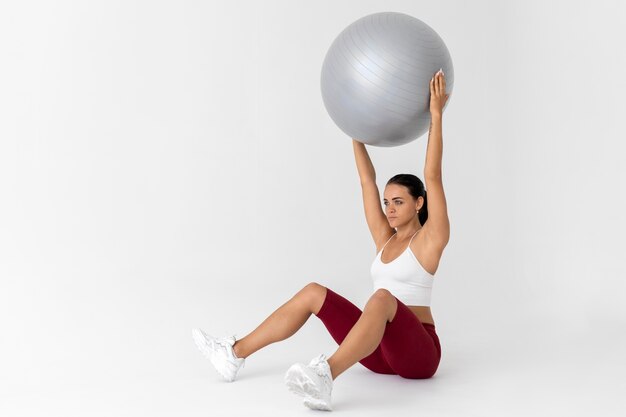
(169, 165)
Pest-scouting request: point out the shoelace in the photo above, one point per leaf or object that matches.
(321, 368)
(224, 342)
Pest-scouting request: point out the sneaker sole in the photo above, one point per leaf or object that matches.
(316, 404)
(299, 383)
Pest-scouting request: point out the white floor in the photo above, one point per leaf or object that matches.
(545, 376)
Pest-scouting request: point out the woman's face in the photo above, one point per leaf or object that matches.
(399, 205)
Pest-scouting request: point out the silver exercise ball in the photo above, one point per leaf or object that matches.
(376, 74)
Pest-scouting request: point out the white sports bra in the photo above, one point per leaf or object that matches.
(404, 277)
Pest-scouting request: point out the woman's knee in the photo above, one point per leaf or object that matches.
(383, 299)
(314, 288)
(314, 294)
(382, 294)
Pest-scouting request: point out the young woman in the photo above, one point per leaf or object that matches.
(395, 332)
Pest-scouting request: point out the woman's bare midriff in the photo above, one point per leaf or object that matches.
(423, 314)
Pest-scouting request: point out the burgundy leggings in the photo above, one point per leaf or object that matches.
(409, 348)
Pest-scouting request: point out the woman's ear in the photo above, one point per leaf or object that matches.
(420, 204)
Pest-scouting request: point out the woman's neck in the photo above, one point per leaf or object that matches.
(406, 232)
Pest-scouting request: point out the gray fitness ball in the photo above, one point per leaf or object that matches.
(376, 74)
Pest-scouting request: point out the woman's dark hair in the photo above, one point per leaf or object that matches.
(416, 189)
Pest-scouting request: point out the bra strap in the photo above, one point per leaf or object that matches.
(413, 237)
(381, 251)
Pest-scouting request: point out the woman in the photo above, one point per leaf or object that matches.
(395, 333)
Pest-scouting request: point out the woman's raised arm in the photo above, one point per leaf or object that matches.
(364, 165)
(374, 215)
(434, 149)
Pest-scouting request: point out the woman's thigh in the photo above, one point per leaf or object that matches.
(339, 315)
(411, 349)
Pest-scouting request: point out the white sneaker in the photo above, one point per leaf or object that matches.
(220, 352)
(314, 382)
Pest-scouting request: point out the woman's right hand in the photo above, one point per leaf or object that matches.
(438, 96)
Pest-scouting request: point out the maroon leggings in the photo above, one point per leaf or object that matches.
(409, 348)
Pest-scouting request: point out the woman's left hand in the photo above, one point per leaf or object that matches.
(438, 96)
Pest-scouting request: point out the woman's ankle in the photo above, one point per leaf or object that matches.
(237, 349)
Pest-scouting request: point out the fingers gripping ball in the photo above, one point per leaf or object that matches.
(376, 75)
